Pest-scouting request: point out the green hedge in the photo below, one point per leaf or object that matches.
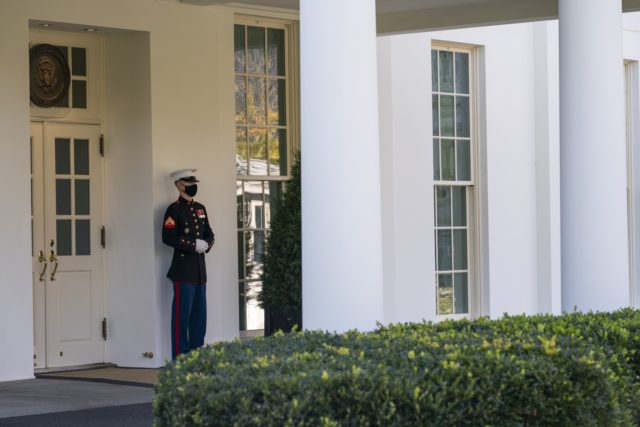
(572, 370)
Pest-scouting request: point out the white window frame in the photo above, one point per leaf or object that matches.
(292, 103)
(474, 283)
(631, 128)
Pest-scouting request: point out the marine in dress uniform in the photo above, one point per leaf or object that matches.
(186, 229)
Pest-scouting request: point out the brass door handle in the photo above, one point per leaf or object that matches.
(53, 258)
(41, 258)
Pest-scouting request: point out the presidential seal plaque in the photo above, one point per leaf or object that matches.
(49, 75)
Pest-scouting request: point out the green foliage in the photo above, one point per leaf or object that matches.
(572, 370)
(282, 274)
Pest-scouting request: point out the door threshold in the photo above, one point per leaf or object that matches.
(73, 368)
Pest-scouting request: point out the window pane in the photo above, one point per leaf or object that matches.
(460, 249)
(436, 159)
(79, 61)
(461, 293)
(446, 71)
(256, 101)
(445, 294)
(241, 260)
(444, 250)
(63, 156)
(63, 236)
(447, 148)
(464, 161)
(82, 197)
(242, 152)
(434, 70)
(446, 115)
(277, 152)
(459, 198)
(243, 307)
(79, 93)
(462, 72)
(239, 204)
(443, 206)
(255, 315)
(238, 42)
(435, 115)
(276, 99)
(83, 237)
(462, 116)
(255, 52)
(273, 196)
(257, 151)
(81, 157)
(241, 100)
(63, 196)
(275, 40)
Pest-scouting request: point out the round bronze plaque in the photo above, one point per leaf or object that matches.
(49, 75)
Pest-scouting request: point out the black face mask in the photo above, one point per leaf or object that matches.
(191, 190)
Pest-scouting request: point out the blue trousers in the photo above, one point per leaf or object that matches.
(188, 317)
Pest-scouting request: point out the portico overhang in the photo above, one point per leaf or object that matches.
(406, 16)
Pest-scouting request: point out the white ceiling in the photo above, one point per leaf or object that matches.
(398, 16)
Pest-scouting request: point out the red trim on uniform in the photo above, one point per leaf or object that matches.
(177, 325)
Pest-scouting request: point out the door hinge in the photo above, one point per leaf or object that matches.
(103, 237)
(104, 328)
(101, 145)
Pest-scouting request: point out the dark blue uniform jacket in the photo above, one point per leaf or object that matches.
(184, 222)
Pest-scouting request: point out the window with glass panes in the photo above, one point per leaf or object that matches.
(453, 177)
(262, 133)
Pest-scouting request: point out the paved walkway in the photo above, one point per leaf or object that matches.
(76, 399)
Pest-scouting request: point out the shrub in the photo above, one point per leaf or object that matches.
(578, 369)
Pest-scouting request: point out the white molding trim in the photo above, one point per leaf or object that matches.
(263, 11)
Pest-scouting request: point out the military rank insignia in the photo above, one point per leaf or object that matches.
(201, 213)
(169, 223)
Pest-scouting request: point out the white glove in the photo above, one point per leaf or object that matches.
(201, 246)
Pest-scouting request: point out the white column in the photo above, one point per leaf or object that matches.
(341, 209)
(595, 263)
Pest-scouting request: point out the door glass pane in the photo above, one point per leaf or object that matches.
(461, 293)
(277, 152)
(82, 197)
(462, 72)
(63, 237)
(443, 206)
(436, 159)
(241, 100)
(460, 249)
(463, 161)
(243, 306)
(275, 39)
(444, 250)
(258, 151)
(446, 115)
(462, 116)
(239, 204)
(256, 101)
(255, 52)
(448, 160)
(63, 156)
(238, 39)
(272, 197)
(79, 93)
(276, 99)
(241, 260)
(83, 237)
(446, 72)
(63, 196)
(445, 294)
(78, 61)
(459, 199)
(81, 156)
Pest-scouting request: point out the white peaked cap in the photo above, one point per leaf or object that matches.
(188, 175)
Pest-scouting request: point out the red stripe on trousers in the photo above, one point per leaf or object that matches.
(177, 343)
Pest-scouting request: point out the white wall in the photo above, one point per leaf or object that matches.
(511, 217)
(176, 111)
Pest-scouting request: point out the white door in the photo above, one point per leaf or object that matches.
(67, 252)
